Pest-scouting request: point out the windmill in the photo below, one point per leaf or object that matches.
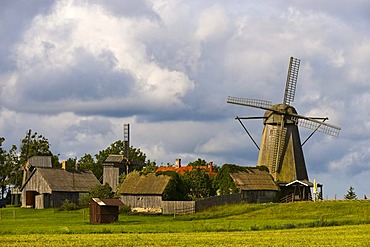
(281, 148)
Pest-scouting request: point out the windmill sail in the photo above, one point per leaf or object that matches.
(315, 125)
(319, 126)
(262, 104)
(291, 80)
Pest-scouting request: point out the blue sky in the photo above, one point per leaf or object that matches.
(76, 71)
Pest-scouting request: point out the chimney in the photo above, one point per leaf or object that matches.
(178, 163)
(211, 166)
(64, 165)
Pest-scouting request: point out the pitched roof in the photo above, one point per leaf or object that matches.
(303, 182)
(181, 170)
(149, 184)
(254, 179)
(115, 158)
(62, 180)
(39, 161)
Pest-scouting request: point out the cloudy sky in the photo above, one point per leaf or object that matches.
(76, 71)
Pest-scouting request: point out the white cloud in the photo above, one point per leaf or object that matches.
(75, 71)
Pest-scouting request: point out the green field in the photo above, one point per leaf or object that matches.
(328, 223)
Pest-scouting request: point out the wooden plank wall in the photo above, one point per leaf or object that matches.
(178, 207)
(142, 201)
(217, 200)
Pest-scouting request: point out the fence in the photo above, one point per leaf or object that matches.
(188, 207)
(178, 207)
(216, 201)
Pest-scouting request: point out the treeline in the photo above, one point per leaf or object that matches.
(13, 160)
(193, 184)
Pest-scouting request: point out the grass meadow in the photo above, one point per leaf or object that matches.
(327, 223)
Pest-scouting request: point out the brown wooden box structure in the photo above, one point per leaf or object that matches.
(104, 210)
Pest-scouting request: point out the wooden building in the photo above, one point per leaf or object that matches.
(144, 193)
(104, 210)
(256, 186)
(49, 187)
(113, 167)
(298, 190)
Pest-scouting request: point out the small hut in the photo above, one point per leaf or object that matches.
(104, 210)
(144, 193)
(255, 185)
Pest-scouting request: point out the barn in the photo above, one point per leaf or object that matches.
(50, 187)
(256, 185)
(144, 193)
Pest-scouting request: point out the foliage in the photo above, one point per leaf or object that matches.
(150, 167)
(125, 209)
(9, 168)
(351, 195)
(176, 189)
(224, 182)
(136, 158)
(99, 191)
(36, 145)
(68, 206)
(199, 182)
(198, 162)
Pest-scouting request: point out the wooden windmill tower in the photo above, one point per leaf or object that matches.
(281, 147)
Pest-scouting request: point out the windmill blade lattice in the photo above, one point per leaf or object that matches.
(317, 125)
(291, 80)
(262, 104)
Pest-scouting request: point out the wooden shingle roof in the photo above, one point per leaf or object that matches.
(149, 184)
(254, 179)
(115, 158)
(65, 181)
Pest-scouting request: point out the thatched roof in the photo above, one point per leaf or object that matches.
(149, 184)
(65, 181)
(254, 179)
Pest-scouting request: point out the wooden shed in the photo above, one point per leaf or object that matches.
(256, 186)
(50, 187)
(113, 167)
(104, 210)
(144, 193)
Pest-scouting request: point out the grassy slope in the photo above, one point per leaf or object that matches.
(232, 224)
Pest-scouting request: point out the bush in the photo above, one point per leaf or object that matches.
(68, 206)
(126, 209)
(99, 191)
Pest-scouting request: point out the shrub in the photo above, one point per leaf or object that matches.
(126, 209)
(68, 206)
(99, 191)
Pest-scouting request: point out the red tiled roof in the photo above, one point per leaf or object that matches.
(183, 169)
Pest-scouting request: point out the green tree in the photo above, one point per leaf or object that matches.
(351, 195)
(199, 182)
(36, 144)
(150, 167)
(87, 162)
(9, 168)
(198, 162)
(136, 157)
(176, 189)
(98, 191)
(223, 182)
